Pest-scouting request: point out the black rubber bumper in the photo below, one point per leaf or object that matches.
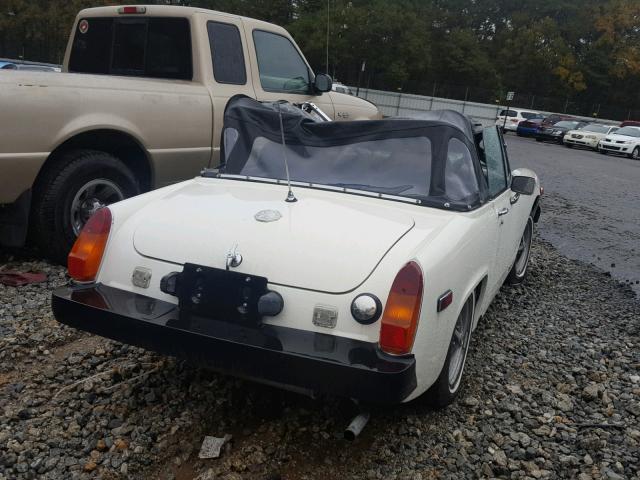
(298, 359)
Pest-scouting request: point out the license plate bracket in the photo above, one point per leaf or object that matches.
(222, 295)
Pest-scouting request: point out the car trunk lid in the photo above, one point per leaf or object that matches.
(326, 241)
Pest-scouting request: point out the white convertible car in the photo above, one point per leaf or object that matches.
(365, 278)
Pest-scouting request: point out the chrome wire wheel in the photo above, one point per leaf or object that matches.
(91, 197)
(524, 250)
(460, 345)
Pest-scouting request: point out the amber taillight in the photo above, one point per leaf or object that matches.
(402, 311)
(86, 255)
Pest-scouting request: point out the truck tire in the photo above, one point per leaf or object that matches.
(75, 186)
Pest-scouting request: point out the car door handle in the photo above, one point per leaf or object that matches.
(514, 198)
(503, 211)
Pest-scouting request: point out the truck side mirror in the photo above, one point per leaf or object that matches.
(322, 83)
(523, 185)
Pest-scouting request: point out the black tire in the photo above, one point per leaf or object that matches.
(52, 225)
(538, 139)
(519, 269)
(635, 154)
(568, 145)
(603, 151)
(442, 392)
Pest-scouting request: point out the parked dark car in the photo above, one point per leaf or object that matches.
(528, 128)
(555, 118)
(555, 133)
(630, 123)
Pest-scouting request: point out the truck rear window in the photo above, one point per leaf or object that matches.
(144, 47)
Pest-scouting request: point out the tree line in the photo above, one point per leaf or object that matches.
(586, 52)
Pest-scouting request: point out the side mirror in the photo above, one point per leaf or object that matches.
(523, 185)
(322, 83)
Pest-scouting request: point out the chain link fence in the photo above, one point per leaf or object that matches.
(485, 101)
(409, 105)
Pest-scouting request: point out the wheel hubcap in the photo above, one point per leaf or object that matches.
(522, 258)
(459, 345)
(90, 198)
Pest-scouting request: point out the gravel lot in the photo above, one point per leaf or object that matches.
(552, 390)
(592, 204)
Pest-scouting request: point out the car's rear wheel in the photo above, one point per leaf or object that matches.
(447, 386)
(70, 191)
(635, 154)
(520, 266)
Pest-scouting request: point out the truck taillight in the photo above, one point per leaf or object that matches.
(402, 311)
(86, 255)
(131, 10)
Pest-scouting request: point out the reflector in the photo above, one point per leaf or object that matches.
(402, 311)
(86, 255)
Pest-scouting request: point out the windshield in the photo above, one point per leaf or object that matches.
(429, 161)
(629, 131)
(596, 128)
(566, 124)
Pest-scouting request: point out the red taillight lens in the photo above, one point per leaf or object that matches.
(402, 311)
(131, 10)
(86, 255)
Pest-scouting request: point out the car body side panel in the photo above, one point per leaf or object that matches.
(458, 260)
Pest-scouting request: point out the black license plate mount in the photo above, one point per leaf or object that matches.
(219, 294)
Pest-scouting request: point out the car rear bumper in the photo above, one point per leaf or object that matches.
(290, 358)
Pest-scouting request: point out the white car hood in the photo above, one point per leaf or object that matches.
(614, 138)
(326, 241)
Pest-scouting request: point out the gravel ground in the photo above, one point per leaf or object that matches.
(551, 390)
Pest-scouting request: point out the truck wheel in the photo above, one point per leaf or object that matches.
(78, 184)
(447, 386)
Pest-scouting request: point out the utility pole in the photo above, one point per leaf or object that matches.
(327, 59)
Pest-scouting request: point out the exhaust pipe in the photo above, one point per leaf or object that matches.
(356, 426)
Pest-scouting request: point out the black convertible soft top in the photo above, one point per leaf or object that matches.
(431, 160)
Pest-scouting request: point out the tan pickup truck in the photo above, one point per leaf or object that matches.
(139, 105)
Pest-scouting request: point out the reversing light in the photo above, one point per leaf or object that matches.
(86, 255)
(402, 311)
(366, 308)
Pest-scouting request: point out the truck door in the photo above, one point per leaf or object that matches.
(230, 73)
(280, 72)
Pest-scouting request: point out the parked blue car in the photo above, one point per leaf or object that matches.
(528, 128)
(7, 66)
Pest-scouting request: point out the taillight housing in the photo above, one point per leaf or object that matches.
(402, 311)
(86, 255)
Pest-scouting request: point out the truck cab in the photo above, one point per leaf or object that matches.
(139, 105)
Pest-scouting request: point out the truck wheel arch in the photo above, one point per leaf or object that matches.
(115, 142)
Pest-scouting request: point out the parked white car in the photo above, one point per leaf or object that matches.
(364, 278)
(514, 117)
(626, 140)
(588, 136)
